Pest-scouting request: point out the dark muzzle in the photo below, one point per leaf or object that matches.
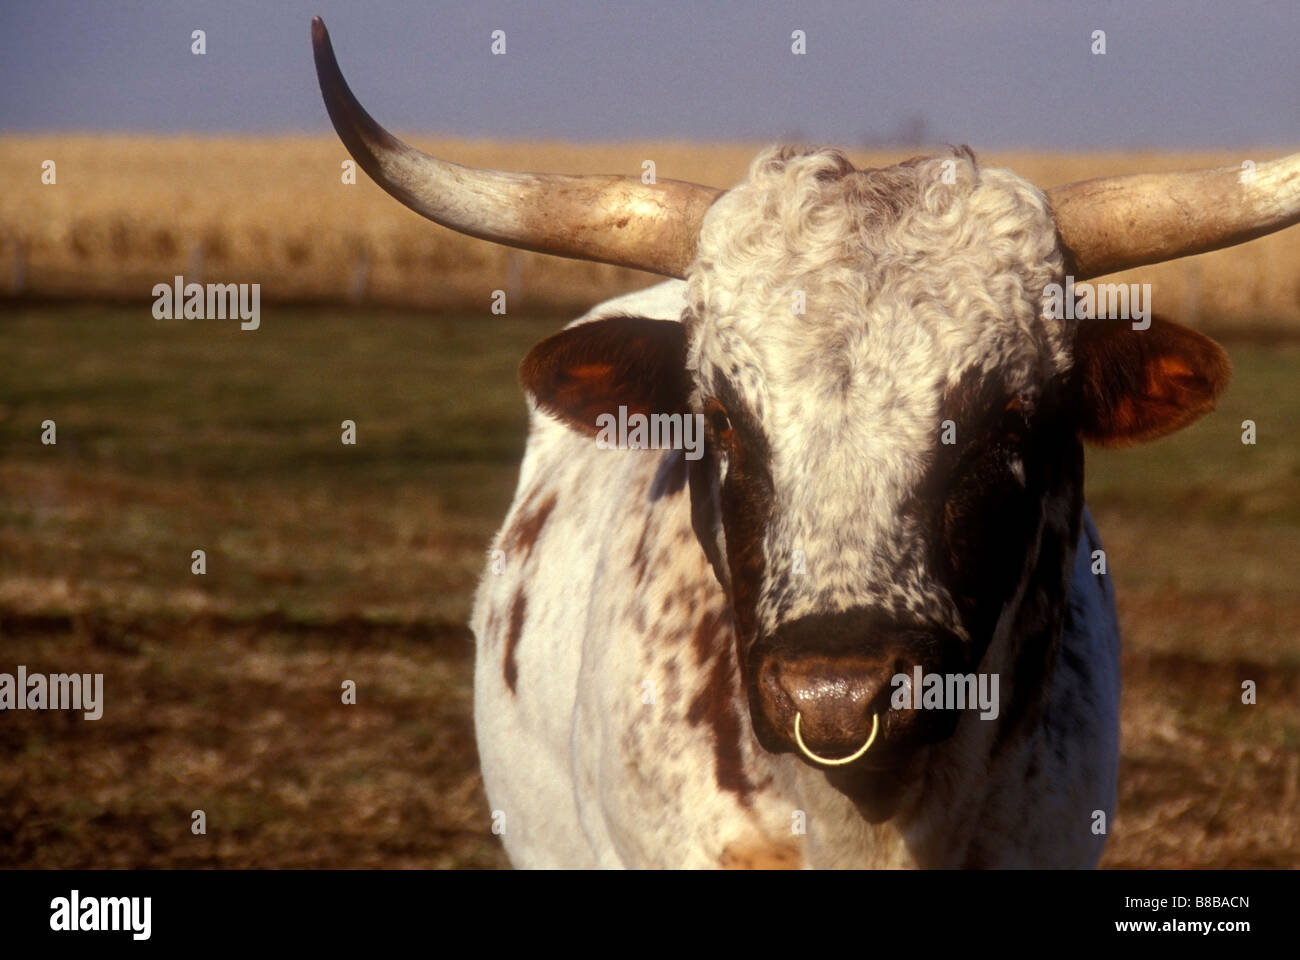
(834, 676)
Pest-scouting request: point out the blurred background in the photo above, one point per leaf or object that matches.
(329, 562)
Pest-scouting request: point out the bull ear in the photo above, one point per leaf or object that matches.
(594, 368)
(1137, 385)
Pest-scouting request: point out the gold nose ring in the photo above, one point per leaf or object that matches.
(875, 726)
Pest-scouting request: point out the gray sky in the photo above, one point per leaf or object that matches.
(989, 73)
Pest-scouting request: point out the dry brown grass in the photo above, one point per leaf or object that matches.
(128, 212)
(244, 722)
(329, 563)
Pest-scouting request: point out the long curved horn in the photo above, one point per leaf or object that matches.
(617, 220)
(1114, 223)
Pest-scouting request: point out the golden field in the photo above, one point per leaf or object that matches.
(127, 212)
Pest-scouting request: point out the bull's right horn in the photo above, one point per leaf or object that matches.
(612, 219)
(1114, 223)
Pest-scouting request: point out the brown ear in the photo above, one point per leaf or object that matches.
(596, 367)
(1137, 385)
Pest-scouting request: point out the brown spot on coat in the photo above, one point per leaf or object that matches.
(715, 706)
(704, 638)
(761, 855)
(523, 533)
(640, 559)
(510, 668)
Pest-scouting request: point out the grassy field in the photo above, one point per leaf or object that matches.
(127, 212)
(329, 562)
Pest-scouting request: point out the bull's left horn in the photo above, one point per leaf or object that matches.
(612, 219)
(1114, 223)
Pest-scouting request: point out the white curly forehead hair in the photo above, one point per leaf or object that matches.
(838, 305)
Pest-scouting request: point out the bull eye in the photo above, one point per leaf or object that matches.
(1014, 418)
(719, 421)
(1010, 436)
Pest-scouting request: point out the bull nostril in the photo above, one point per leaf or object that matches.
(824, 686)
(827, 762)
(843, 692)
(824, 706)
